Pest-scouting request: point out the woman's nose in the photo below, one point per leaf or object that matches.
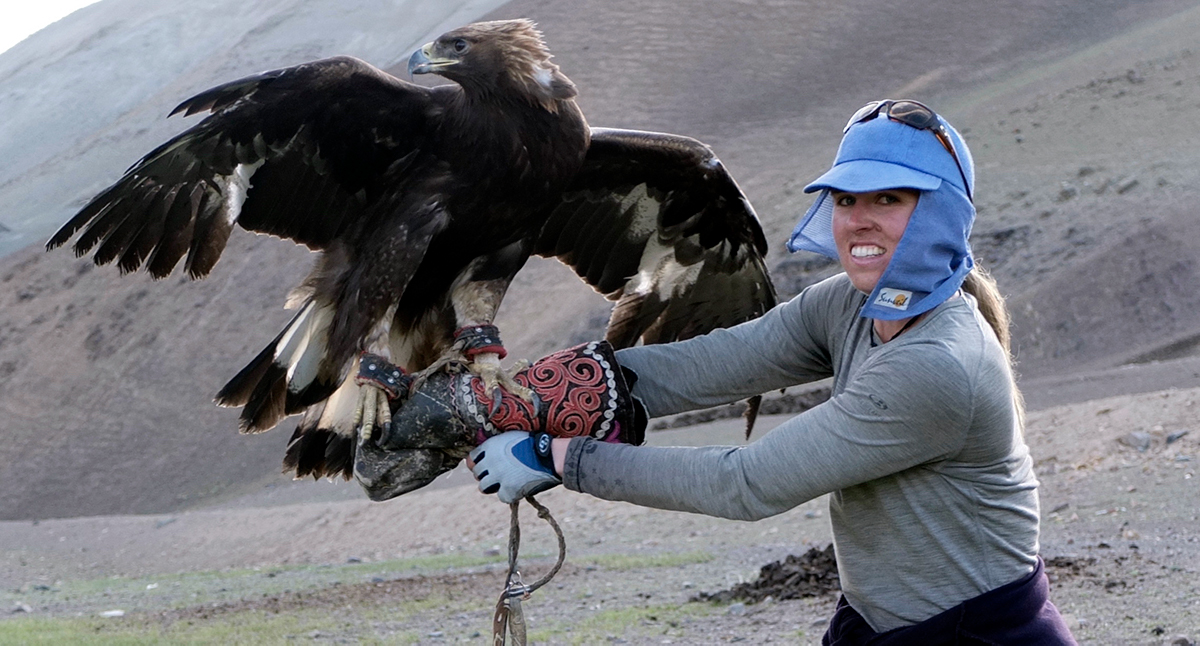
(860, 216)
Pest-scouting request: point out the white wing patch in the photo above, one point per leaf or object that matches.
(658, 270)
(645, 212)
(237, 186)
(661, 273)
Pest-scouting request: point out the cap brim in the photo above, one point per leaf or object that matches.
(866, 175)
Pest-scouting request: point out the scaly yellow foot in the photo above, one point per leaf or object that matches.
(494, 376)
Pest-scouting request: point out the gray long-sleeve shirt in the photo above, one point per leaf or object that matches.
(934, 497)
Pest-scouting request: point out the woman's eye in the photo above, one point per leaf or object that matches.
(845, 200)
(461, 45)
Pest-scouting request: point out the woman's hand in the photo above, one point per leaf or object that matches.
(514, 465)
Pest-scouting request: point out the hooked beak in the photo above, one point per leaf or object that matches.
(421, 62)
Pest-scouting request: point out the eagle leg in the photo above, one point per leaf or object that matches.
(487, 367)
(480, 344)
(379, 382)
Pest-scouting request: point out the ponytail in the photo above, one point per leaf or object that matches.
(980, 284)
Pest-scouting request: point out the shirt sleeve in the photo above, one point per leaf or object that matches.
(905, 407)
(788, 345)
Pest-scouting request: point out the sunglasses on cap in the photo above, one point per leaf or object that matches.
(914, 114)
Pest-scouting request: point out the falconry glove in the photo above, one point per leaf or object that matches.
(514, 465)
(577, 392)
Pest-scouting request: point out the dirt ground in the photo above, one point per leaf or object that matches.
(1120, 535)
(1089, 165)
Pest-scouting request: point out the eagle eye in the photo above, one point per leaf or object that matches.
(461, 45)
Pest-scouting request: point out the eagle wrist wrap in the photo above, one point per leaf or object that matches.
(479, 339)
(378, 371)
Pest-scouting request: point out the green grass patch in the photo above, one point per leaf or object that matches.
(243, 628)
(360, 623)
(193, 589)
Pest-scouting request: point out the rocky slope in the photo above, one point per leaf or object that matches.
(1078, 114)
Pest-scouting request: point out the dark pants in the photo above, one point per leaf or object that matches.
(1015, 613)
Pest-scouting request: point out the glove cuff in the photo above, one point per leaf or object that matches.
(541, 448)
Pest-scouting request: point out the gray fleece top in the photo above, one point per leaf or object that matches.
(934, 499)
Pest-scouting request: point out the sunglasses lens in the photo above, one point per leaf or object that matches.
(864, 113)
(913, 114)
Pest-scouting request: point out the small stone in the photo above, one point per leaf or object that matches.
(1125, 187)
(688, 585)
(19, 607)
(812, 514)
(736, 609)
(1136, 440)
(1182, 640)
(435, 634)
(1176, 436)
(1068, 192)
(112, 613)
(354, 559)
(1071, 621)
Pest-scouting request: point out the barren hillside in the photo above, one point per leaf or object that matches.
(1078, 114)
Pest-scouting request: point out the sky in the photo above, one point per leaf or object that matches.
(19, 20)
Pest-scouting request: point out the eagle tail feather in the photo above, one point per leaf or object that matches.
(320, 453)
(323, 444)
(285, 377)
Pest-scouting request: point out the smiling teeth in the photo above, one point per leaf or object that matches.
(866, 251)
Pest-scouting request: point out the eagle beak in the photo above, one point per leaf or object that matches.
(422, 63)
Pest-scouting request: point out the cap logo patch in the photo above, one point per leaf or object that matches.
(897, 299)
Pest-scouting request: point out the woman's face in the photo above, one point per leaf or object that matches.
(867, 227)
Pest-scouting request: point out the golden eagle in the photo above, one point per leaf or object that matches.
(424, 203)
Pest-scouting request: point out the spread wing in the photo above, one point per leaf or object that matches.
(656, 223)
(296, 153)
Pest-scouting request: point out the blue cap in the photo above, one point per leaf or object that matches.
(881, 154)
(933, 256)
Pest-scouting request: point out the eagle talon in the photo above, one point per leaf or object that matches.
(487, 367)
(373, 411)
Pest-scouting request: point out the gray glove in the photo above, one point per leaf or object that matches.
(514, 465)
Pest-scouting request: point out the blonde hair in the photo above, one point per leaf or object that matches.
(980, 284)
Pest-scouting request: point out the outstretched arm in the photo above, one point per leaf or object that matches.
(789, 345)
(877, 426)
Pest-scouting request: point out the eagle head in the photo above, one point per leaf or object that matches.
(496, 57)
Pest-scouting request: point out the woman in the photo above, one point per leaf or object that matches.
(934, 502)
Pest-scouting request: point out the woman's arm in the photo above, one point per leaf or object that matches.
(908, 408)
(787, 346)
